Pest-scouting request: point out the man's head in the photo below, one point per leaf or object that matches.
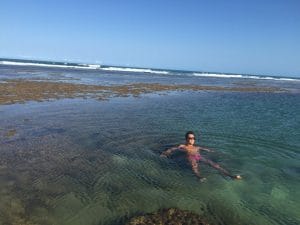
(190, 137)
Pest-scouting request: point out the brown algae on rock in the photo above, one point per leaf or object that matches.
(21, 90)
(171, 216)
(11, 133)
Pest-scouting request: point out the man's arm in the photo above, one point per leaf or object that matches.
(170, 150)
(206, 149)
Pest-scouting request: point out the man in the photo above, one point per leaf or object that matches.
(193, 156)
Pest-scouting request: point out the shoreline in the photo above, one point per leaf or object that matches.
(23, 90)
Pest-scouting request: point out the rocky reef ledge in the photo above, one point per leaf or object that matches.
(21, 90)
(171, 216)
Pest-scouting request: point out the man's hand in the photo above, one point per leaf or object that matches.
(163, 155)
(206, 149)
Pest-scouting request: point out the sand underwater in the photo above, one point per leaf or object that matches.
(82, 147)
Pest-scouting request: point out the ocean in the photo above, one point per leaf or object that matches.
(82, 160)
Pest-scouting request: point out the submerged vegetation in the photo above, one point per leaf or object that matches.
(21, 90)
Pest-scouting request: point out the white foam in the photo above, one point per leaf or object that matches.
(217, 75)
(136, 70)
(243, 76)
(92, 66)
(84, 66)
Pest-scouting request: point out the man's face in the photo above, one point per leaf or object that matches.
(190, 139)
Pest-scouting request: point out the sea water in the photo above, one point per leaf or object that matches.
(83, 161)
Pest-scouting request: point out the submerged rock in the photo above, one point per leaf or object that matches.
(172, 216)
(23, 90)
(11, 133)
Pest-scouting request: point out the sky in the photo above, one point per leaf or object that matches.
(233, 36)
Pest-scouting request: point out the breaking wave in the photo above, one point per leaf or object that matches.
(137, 70)
(63, 65)
(243, 76)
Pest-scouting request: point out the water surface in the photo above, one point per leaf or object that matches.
(83, 161)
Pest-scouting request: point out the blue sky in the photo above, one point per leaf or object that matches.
(238, 36)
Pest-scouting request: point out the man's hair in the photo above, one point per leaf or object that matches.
(188, 133)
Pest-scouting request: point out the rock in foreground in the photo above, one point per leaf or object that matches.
(170, 216)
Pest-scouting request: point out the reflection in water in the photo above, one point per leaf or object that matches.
(90, 162)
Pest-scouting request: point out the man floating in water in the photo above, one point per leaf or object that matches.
(193, 156)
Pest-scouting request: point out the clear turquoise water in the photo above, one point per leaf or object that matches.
(91, 162)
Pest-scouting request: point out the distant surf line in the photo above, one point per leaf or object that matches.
(216, 75)
(20, 62)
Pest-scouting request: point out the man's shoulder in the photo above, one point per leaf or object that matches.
(182, 146)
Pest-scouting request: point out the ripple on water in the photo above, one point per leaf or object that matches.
(99, 165)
